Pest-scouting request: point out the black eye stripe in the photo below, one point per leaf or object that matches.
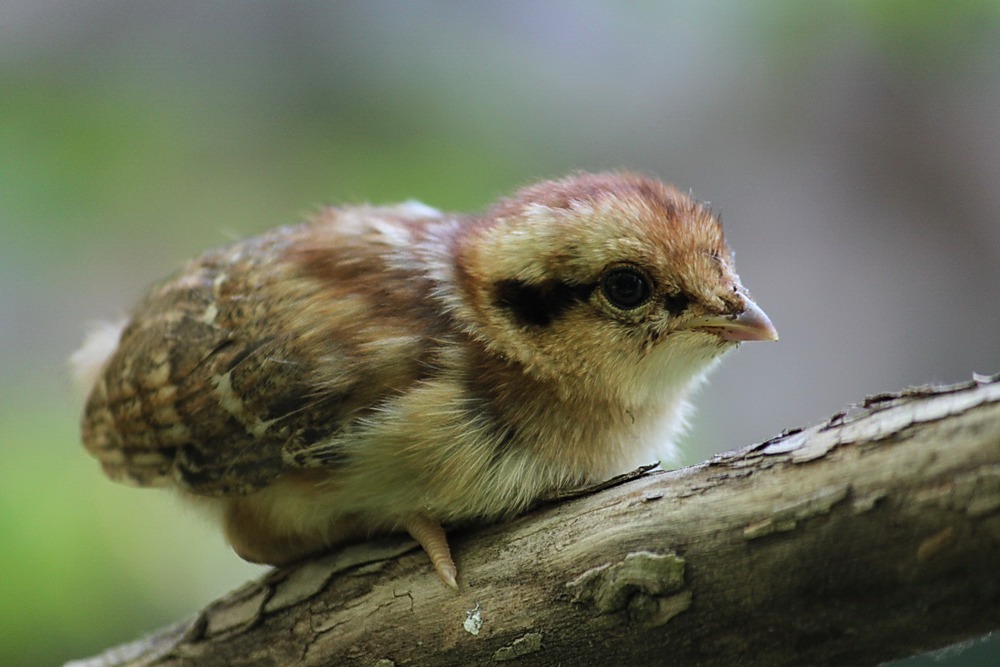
(538, 304)
(677, 303)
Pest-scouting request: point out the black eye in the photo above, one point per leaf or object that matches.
(625, 288)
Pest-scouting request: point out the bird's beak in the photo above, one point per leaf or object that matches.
(750, 324)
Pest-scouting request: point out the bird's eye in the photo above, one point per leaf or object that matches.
(625, 288)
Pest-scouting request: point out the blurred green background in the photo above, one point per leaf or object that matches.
(852, 147)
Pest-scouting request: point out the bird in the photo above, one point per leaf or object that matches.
(380, 369)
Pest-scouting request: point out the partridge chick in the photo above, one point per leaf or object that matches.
(381, 369)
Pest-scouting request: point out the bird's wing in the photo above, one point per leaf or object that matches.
(208, 388)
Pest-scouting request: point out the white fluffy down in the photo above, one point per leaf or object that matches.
(99, 344)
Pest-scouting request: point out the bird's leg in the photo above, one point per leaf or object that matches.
(431, 537)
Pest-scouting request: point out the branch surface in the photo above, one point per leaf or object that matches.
(872, 536)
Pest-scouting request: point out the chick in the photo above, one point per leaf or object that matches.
(381, 369)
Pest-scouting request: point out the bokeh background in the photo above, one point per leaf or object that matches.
(852, 147)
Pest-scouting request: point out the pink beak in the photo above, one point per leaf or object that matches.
(751, 324)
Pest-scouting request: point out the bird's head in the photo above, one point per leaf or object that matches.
(612, 280)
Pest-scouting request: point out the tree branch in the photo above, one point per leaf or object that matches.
(873, 536)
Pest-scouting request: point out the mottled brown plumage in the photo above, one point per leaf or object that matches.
(388, 368)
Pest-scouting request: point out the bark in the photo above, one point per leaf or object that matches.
(872, 536)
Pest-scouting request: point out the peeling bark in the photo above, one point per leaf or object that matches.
(872, 536)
